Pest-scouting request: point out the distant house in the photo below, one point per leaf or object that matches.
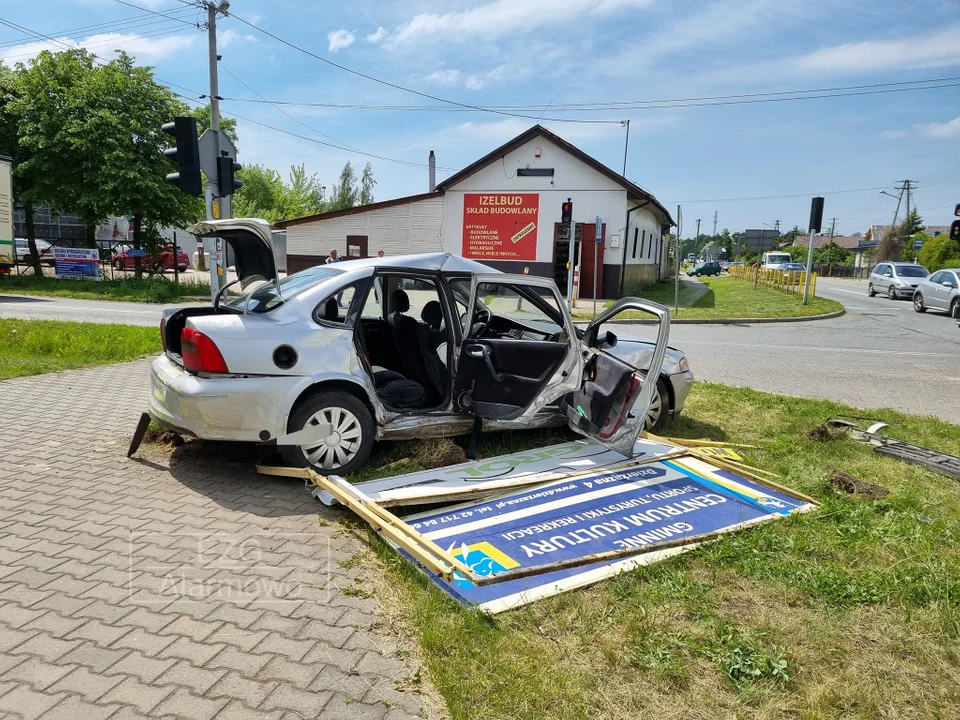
(875, 233)
(849, 242)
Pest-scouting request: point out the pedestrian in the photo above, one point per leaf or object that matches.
(335, 258)
(379, 253)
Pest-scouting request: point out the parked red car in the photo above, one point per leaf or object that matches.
(125, 261)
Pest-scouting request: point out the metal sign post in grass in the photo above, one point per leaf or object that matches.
(597, 239)
(816, 221)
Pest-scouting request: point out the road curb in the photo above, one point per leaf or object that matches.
(726, 321)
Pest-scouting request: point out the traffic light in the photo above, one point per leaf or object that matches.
(566, 211)
(955, 230)
(227, 184)
(186, 154)
(816, 215)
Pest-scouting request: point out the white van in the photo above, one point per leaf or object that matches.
(773, 260)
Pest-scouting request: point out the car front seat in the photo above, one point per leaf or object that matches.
(405, 330)
(431, 337)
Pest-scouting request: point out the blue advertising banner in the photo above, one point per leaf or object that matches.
(564, 520)
(77, 263)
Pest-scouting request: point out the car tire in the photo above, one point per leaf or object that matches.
(891, 293)
(918, 303)
(870, 291)
(659, 411)
(954, 311)
(346, 413)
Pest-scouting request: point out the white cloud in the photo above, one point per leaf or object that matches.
(377, 36)
(228, 37)
(446, 78)
(478, 81)
(938, 49)
(498, 17)
(340, 39)
(893, 134)
(949, 129)
(147, 50)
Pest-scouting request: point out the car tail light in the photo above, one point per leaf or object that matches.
(200, 353)
(163, 333)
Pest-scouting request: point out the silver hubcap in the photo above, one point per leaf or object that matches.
(656, 407)
(917, 301)
(343, 443)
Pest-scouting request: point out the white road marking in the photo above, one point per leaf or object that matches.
(770, 346)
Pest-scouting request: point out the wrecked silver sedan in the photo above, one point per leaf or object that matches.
(323, 363)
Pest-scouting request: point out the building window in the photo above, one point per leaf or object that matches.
(650, 249)
(636, 232)
(643, 241)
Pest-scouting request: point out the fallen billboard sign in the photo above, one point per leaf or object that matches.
(568, 533)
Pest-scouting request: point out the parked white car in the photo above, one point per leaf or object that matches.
(324, 362)
(896, 279)
(940, 291)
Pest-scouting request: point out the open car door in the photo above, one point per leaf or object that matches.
(520, 351)
(611, 403)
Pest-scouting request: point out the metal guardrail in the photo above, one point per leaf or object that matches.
(782, 280)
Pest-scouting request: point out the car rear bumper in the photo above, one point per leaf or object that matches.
(246, 409)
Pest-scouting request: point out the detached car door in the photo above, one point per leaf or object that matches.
(611, 403)
(520, 350)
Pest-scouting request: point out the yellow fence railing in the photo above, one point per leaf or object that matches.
(782, 280)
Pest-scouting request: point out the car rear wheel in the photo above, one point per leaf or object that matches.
(351, 441)
(870, 291)
(657, 413)
(918, 302)
(955, 309)
(891, 293)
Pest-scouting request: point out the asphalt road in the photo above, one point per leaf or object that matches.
(881, 354)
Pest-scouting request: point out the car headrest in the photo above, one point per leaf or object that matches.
(331, 311)
(399, 302)
(432, 314)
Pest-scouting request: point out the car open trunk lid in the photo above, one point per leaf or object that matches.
(249, 240)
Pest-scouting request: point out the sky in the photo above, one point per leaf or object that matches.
(752, 163)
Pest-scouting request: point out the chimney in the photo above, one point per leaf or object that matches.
(433, 171)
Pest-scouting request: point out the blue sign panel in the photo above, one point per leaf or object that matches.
(598, 233)
(137, 252)
(918, 243)
(77, 263)
(565, 520)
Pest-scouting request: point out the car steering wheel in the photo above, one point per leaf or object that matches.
(477, 330)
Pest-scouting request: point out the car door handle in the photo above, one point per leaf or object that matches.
(482, 352)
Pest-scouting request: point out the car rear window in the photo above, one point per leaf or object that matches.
(912, 271)
(266, 297)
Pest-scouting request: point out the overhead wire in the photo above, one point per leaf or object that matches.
(112, 26)
(151, 12)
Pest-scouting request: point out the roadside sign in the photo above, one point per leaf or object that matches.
(917, 243)
(208, 151)
(681, 502)
(598, 233)
(137, 252)
(6, 212)
(77, 263)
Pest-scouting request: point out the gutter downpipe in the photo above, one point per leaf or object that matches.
(626, 232)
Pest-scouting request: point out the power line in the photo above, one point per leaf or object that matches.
(152, 12)
(395, 86)
(744, 99)
(408, 163)
(112, 26)
(155, 33)
(775, 197)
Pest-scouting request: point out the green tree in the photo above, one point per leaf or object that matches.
(265, 195)
(10, 92)
(833, 254)
(367, 184)
(798, 253)
(939, 252)
(345, 193)
(304, 194)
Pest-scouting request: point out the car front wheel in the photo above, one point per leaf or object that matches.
(918, 303)
(870, 291)
(891, 293)
(349, 444)
(658, 411)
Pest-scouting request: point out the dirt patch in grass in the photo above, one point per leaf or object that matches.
(847, 483)
(824, 433)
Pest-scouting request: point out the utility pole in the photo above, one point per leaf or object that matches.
(626, 143)
(216, 208)
(776, 225)
(833, 228)
(714, 223)
(676, 277)
(696, 244)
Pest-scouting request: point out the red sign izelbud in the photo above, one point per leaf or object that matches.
(500, 226)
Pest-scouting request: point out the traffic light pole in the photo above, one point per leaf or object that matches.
(210, 194)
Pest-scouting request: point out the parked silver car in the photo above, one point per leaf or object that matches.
(326, 361)
(940, 291)
(44, 248)
(896, 279)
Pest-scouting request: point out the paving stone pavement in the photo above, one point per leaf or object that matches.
(180, 586)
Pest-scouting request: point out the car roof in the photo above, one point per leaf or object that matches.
(904, 264)
(437, 262)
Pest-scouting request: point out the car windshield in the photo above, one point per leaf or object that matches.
(912, 271)
(265, 297)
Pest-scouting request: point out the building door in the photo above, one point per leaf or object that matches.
(356, 247)
(561, 253)
(586, 261)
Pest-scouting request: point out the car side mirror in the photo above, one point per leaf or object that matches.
(607, 341)
(947, 284)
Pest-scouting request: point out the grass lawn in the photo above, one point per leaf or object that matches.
(852, 611)
(730, 297)
(156, 289)
(29, 347)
